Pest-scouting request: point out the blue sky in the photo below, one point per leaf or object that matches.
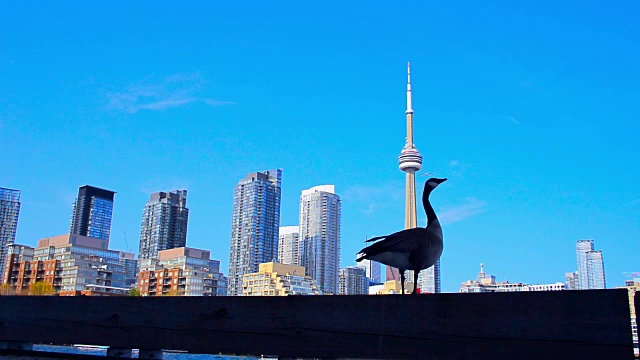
(530, 109)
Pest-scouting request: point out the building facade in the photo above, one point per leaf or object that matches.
(72, 264)
(372, 270)
(590, 266)
(181, 271)
(289, 245)
(130, 266)
(320, 235)
(571, 280)
(164, 223)
(487, 283)
(275, 279)
(353, 281)
(254, 225)
(92, 212)
(9, 213)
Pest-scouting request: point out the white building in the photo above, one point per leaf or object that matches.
(320, 234)
(484, 283)
(372, 270)
(289, 245)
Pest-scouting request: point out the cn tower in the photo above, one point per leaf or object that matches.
(410, 161)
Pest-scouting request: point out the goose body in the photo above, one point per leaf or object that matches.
(411, 249)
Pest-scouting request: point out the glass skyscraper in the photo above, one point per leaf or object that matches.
(9, 212)
(254, 225)
(320, 234)
(164, 223)
(590, 266)
(92, 213)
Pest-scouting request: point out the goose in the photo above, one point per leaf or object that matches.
(411, 249)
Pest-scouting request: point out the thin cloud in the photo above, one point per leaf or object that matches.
(455, 168)
(370, 199)
(159, 94)
(470, 207)
(512, 119)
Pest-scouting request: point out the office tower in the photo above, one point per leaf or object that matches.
(590, 266)
(275, 279)
(571, 280)
(353, 281)
(92, 212)
(9, 212)
(410, 162)
(289, 245)
(320, 234)
(372, 270)
(164, 223)
(254, 225)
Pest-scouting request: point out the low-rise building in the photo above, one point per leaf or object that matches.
(275, 279)
(391, 287)
(181, 272)
(488, 283)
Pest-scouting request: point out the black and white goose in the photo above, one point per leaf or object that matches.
(412, 249)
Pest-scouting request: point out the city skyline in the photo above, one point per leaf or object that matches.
(531, 115)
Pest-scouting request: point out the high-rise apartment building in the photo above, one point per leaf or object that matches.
(254, 225)
(92, 212)
(353, 281)
(289, 245)
(320, 234)
(372, 270)
(595, 270)
(164, 223)
(590, 266)
(9, 212)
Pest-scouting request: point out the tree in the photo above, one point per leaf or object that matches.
(6, 289)
(134, 292)
(41, 288)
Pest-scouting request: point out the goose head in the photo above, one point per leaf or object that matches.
(433, 183)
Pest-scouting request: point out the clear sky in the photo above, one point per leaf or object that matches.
(530, 109)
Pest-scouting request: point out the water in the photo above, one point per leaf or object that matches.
(167, 355)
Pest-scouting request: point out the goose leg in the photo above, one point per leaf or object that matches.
(416, 273)
(402, 280)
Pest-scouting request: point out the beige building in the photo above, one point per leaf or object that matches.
(391, 287)
(632, 287)
(275, 279)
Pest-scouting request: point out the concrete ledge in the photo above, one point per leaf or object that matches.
(549, 325)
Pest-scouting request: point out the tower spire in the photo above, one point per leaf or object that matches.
(409, 109)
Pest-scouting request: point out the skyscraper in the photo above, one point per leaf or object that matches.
(372, 270)
(9, 212)
(320, 234)
(353, 281)
(254, 225)
(410, 162)
(92, 212)
(590, 266)
(164, 223)
(595, 270)
(289, 245)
